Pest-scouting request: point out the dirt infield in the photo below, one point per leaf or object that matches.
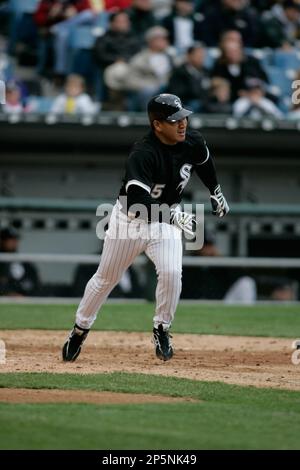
(25, 395)
(261, 362)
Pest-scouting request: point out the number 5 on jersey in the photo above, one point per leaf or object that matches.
(157, 190)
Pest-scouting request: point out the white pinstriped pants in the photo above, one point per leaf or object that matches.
(161, 242)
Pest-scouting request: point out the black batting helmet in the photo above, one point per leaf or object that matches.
(166, 107)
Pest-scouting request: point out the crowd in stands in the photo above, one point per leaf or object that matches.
(235, 57)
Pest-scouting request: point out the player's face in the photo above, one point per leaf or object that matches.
(171, 133)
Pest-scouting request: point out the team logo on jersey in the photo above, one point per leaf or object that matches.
(185, 173)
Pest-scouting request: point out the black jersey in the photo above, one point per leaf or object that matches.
(164, 170)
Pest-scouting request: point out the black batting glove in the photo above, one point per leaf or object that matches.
(219, 204)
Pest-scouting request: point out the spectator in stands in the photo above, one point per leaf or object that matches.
(202, 282)
(242, 291)
(51, 12)
(115, 48)
(233, 285)
(150, 69)
(263, 5)
(280, 27)
(183, 25)
(118, 43)
(14, 101)
(114, 6)
(231, 35)
(141, 17)
(235, 66)
(147, 73)
(16, 278)
(215, 282)
(162, 8)
(218, 98)
(74, 100)
(254, 103)
(231, 14)
(283, 291)
(190, 80)
(57, 18)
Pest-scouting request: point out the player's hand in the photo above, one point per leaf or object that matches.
(183, 220)
(218, 202)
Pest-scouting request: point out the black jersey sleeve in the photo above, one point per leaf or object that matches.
(200, 151)
(137, 195)
(207, 174)
(204, 164)
(139, 170)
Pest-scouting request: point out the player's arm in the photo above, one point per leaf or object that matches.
(206, 170)
(138, 191)
(182, 220)
(138, 183)
(137, 195)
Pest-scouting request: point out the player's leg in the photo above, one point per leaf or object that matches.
(118, 253)
(166, 254)
(117, 256)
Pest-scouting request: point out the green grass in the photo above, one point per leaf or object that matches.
(228, 417)
(225, 417)
(263, 320)
(153, 384)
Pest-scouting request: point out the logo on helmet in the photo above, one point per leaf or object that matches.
(178, 104)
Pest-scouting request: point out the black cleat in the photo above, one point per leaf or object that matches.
(162, 343)
(72, 346)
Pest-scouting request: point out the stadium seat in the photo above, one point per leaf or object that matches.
(280, 78)
(41, 104)
(286, 59)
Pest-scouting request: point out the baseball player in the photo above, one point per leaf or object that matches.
(157, 171)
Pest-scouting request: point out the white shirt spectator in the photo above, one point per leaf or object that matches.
(12, 109)
(81, 104)
(160, 65)
(161, 8)
(244, 107)
(184, 33)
